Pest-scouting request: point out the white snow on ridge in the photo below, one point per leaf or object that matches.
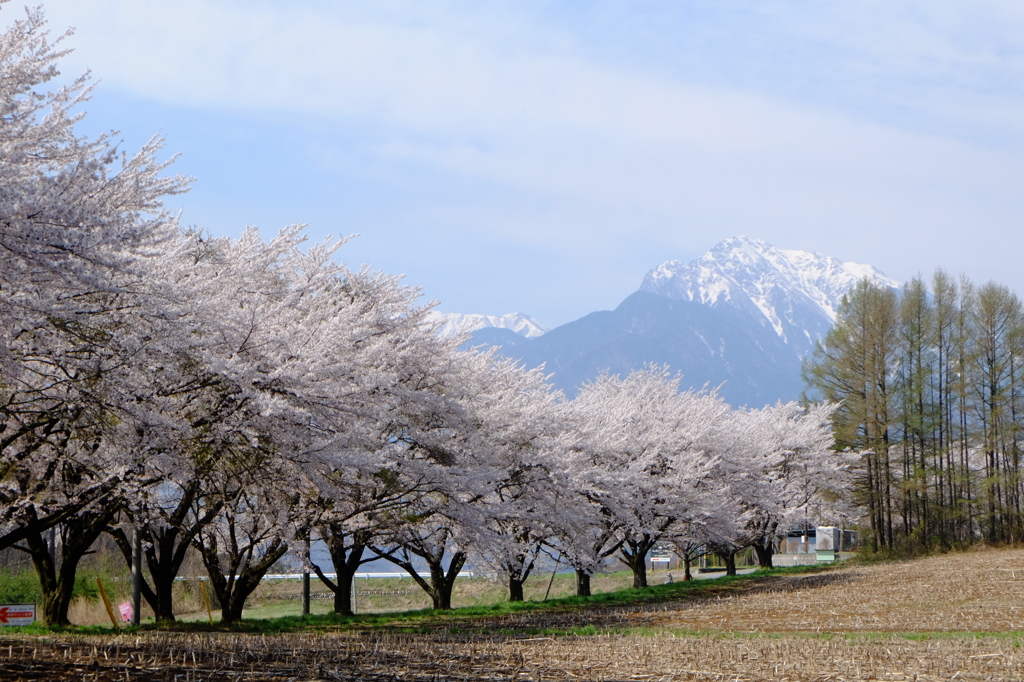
(787, 287)
(451, 324)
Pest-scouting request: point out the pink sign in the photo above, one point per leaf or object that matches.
(126, 612)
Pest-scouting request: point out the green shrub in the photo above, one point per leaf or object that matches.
(21, 587)
(85, 585)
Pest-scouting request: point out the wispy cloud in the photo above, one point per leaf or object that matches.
(775, 119)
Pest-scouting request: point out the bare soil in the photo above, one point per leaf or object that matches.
(956, 617)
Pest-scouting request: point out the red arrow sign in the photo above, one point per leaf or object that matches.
(17, 614)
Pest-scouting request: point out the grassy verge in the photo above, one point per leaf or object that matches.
(493, 617)
(487, 611)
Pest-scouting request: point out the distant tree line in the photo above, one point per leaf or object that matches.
(930, 387)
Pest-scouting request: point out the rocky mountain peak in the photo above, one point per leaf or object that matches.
(797, 293)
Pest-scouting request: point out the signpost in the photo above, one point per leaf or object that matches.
(135, 616)
(17, 614)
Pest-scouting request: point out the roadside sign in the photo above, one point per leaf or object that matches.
(17, 614)
(660, 559)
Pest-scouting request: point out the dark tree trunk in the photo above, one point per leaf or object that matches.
(515, 589)
(687, 575)
(639, 568)
(518, 571)
(166, 546)
(634, 554)
(57, 574)
(729, 557)
(346, 550)
(343, 596)
(582, 583)
(56, 590)
(244, 573)
(765, 551)
(441, 582)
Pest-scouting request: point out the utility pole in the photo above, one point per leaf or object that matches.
(305, 581)
(355, 598)
(137, 579)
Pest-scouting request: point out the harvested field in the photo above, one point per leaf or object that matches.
(336, 656)
(905, 621)
(979, 591)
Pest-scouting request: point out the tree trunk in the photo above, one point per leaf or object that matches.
(729, 557)
(687, 575)
(582, 583)
(56, 590)
(765, 551)
(167, 542)
(346, 559)
(441, 582)
(57, 574)
(640, 573)
(515, 589)
(163, 560)
(244, 574)
(518, 570)
(634, 554)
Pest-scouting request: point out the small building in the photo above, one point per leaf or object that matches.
(828, 540)
(805, 540)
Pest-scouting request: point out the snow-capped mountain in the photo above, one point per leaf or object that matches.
(451, 324)
(796, 292)
(741, 318)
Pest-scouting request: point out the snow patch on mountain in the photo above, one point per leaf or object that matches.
(796, 292)
(452, 324)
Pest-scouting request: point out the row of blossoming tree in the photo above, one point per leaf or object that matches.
(235, 398)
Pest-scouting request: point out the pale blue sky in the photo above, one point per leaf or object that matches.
(540, 157)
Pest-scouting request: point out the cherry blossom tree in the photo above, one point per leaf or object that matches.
(79, 224)
(645, 461)
(392, 405)
(481, 489)
(77, 221)
(775, 462)
(331, 372)
(518, 440)
(247, 537)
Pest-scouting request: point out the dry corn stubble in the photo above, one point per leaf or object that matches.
(339, 656)
(978, 591)
(981, 591)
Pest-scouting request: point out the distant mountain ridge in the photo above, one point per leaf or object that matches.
(451, 324)
(740, 317)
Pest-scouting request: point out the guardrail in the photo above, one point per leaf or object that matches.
(333, 576)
